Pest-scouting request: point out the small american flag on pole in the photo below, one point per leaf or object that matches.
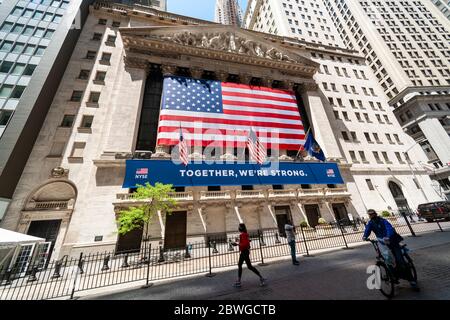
(182, 149)
(256, 149)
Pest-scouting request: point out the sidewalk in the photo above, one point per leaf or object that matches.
(335, 274)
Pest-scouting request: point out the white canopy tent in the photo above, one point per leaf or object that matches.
(11, 241)
(10, 238)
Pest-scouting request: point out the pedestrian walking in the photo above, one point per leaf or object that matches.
(290, 236)
(244, 248)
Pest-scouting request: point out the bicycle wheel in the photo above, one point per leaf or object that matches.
(387, 287)
(411, 266)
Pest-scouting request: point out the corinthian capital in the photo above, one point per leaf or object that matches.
(196, 73)
(168, 70)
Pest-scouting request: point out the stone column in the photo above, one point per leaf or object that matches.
(320, 123)
(437, 137)
(295, 213)
(163, 151)
(231, 219)
(127, 100)
(330, 211)
(269, 206)
(201, 212)
(161, 223)
(302, 212)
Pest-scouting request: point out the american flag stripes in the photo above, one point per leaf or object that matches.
(256, 150)
(182, 149)
(220, 113)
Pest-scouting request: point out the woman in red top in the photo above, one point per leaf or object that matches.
(244, 248)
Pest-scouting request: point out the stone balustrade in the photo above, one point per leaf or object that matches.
(250, 194)
(48, 205)
(310, 193)
(291, 194)
(215, 195)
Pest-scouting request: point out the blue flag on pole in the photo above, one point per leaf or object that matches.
(313, 148)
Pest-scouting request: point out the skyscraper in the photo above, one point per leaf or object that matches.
(228, 12)
(361, 120)
(405, 43)
(444, 6)
(158, 4)
(37, 39)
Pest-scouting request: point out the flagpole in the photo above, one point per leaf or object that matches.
(306, 135)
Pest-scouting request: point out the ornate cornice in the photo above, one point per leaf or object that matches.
(222, 43)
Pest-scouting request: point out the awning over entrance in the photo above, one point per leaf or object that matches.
(10, 238)
(229, 174)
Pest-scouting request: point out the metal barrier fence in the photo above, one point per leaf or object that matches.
(65, 277)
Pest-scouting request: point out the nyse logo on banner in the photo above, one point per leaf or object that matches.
(141, 173)
(330, 173)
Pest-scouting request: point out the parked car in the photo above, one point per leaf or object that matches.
(434, 211)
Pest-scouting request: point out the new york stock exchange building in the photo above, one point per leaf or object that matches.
(115, 121)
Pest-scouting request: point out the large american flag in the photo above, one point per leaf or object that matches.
(221, 113)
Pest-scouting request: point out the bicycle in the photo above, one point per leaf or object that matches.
(389, 277)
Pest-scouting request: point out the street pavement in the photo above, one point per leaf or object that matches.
(335, 275)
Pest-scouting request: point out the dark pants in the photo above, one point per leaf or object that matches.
(245, 256)
(293, 254)
(402, 269)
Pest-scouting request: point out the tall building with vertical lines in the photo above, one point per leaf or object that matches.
(36, 40)
(444, 6)
(228, 12)
(406, 48)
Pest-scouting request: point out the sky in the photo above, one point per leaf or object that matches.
(201, 9)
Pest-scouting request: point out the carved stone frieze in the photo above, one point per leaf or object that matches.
(225, 41)
(221, 43)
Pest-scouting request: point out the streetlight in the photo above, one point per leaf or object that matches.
(412, 171)
(432, 170)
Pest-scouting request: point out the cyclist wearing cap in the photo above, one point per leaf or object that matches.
(387, 235)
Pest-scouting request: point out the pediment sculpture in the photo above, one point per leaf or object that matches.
(226, 41)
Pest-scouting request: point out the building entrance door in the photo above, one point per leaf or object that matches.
(340, 213)
(282, 214)
(175, 235)
(312, 213)
(399, 197)
(47, 229)
(129, 242)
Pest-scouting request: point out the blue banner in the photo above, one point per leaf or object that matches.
(229, 174)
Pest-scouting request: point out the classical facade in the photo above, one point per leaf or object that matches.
(72, 184)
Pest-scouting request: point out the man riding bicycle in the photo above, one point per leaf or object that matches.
(387, 235)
